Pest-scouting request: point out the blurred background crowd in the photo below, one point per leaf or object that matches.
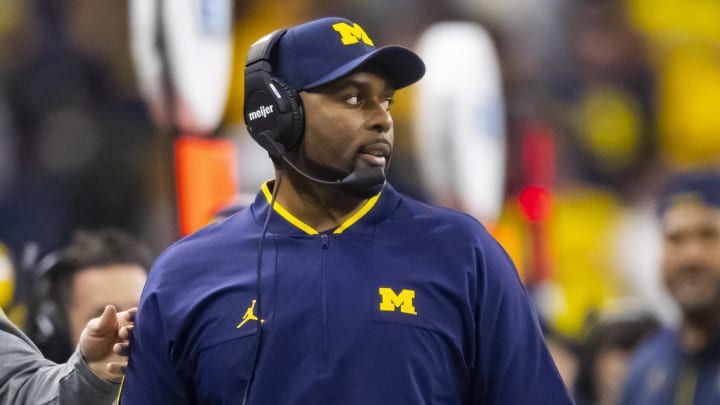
(603, 100)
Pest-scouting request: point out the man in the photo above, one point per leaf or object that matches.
(682, 365)
(333, 288)
(97, 268)
(90, 376)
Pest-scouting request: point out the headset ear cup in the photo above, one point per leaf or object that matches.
(273, 110)
(48, 324)
(292, 131)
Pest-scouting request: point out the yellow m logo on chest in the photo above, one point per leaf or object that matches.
(391, 301)
(352, 34)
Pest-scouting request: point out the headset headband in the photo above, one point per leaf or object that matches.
(263, 48)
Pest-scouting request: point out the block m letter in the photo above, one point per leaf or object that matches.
(391, 301)
(352, 34)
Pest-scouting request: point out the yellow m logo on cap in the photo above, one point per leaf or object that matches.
(404, 300)
(352, 34)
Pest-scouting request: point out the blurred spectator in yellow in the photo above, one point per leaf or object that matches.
(97, 269)
(605, 90)
(604, 353)
(599, 110)
(680, 365)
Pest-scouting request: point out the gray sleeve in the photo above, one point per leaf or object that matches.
(26, 377)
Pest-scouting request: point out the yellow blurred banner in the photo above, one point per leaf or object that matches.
(7, 277)
(669, 20)
(688, 118)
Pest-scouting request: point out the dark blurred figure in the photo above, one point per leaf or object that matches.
(75, 284)
(82, 143)
(681, 365)
(604, 354)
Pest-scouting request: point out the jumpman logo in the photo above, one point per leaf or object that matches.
(249, 316)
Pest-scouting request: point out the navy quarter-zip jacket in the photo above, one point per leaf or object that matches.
(404, 303)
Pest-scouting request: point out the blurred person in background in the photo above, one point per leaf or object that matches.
(681, 365)
(366, 296)
(603, 100)
(83, 147)
(91, 376)
(604, 353)
(75, 284)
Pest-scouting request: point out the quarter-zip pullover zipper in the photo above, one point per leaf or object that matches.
(325, 239)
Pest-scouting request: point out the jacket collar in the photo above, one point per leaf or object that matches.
(283, 222)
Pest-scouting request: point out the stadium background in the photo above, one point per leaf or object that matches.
(603, 100)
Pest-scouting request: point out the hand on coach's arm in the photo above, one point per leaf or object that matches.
(104, 343)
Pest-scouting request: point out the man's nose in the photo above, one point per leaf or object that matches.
(379, 117)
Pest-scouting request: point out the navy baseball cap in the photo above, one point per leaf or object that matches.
(697, 186)
(320, 51)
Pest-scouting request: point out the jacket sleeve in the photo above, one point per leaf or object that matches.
(513, 365)
(152, 376)
(26, 377)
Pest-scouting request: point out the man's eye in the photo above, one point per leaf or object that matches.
(387, 103)
(353, 100)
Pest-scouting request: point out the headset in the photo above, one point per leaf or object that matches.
(275, 118)
(48, 323)
(54, 277)
(273, 110)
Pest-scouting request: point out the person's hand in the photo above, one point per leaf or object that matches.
(105, 340)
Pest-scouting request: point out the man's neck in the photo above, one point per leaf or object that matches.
(322, 207)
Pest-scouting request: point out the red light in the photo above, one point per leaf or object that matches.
(535, 203)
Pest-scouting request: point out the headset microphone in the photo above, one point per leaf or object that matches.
(363, 183)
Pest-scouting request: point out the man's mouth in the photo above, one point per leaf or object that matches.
(375, 154)
(373, 160)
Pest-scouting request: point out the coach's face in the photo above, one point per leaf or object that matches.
(348, 125)
(691, 259)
